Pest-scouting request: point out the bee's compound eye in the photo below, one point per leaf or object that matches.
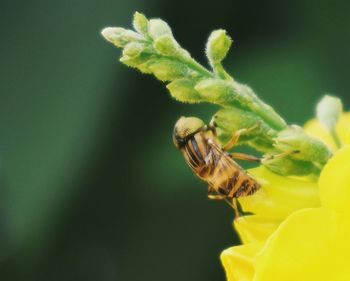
(186, 126)
(177, 139)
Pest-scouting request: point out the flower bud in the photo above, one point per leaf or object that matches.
(140, 23)
(183, 91)
(130, 36)
(218, 45)
(113, 35)
(144, 67)
(137, 61)
(329, 110)
(287, 166)
(157, 28)
(215, 90)
(167, 70)
(310, 149)
(128, 61)
(230, 120)
(133, 49)
(120, 36)
(166, 45)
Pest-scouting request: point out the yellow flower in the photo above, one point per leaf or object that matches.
(301, 229)
(315, 128)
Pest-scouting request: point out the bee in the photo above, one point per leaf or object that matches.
(212, 163)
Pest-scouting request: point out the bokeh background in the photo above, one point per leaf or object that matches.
(92, 187)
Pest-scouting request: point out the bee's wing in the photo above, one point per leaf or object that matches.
(223, 165)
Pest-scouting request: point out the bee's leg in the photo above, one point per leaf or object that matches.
(235, 137)
(233, 203)
(247, 157)
(243, 156)
(277, 156)
(235, 207)
(216, 196)
(212, 126)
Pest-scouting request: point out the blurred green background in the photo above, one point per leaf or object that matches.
(92, 187)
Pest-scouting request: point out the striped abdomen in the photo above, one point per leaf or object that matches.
(215, 166)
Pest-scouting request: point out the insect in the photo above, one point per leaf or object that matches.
(212, 163)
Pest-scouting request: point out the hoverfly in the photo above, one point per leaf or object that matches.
(212, 163)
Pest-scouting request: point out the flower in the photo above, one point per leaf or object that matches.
(300, 228)
(316, 129)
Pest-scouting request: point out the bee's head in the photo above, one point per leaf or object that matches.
(185, 127)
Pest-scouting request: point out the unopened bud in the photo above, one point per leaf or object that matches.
(167, 70)
(230, 120)
(157, 28)
(286, 166)
(114, 35)
(215, 90)
(183, 90)
(166, 45)
(120, 36)
(140, 23)
(133, 49)
(130, 36)
(128, 61)
(309, 148)
(218, 45)
(137, 61)
(329, 110)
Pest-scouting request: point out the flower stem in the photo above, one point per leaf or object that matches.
(152, 49)
(336, 138)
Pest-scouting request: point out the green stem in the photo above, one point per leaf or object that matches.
(191, 63)
(221, 72)
(336, 138)
(152, 49)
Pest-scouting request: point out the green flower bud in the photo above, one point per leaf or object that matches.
(128, 61)
(136, 61)
(226, 93)
(329, 110)
(215, 90)
(120, 36)
(133, 49)
(166, 45)
(130, 36)
(218, 46)
(158, 28)
(230, 120)
(286, 166)
(168, 70)
(140, 23)
(310, 149)
(183, 91)
(114, 35)
(144, 68)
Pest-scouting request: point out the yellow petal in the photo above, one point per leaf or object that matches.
(280, 196)
(302, 249)
(315, 128)
(343, 128)
(310, 243)
(335, 182)
(238, 261)
(254, 228)
(313, 244)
